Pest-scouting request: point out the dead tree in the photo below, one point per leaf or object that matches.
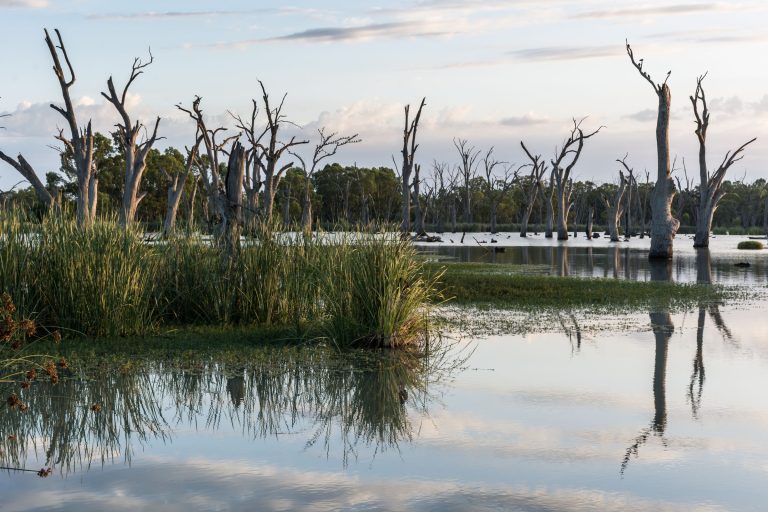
(253, 166)
(628, 209)
(467, 170)
(496, 187)
(710, 187)
(25, 169)
(416, 200)
(80, 141)
(272, 151)
(441, 177)
(176, 188)
(409, 151)
(643, 205)
(233, 211)
(615, 208)
(210, 173)
(550, 211)
(590, 217)
(326, 147)
(429, 193)
(135, 152)
(561, 171)
(539, 167)
(663, 225)
(683, 191)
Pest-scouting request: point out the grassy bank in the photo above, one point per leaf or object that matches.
(522, 287)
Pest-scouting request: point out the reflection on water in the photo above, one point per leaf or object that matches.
(618, 261)
(367, 399)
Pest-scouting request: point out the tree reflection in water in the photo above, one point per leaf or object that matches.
(369, 397)
(662, 326)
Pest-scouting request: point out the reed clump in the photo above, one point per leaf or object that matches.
(750, 245)
(376, 292)
(99, 281)
(107, 281)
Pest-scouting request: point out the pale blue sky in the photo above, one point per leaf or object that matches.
(493, 71)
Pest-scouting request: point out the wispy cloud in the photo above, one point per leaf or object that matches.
(32, 4)
(163, 15)
(566, 52)
(649, 11)
(370, 31)
(528, 119)
(391, 30)
(643, 116)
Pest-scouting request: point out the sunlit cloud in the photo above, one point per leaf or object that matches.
(524, 120)
(567, 52)
(649, 11)
(32, 4)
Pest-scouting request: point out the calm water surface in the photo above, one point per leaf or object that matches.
(671, 416)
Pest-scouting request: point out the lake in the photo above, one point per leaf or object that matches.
(670, 413)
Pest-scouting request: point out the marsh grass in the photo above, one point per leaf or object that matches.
(99, 281)
(376, 293)
(17, 253)
(490, 285)
(359, 288)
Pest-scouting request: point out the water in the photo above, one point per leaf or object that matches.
(669, 416)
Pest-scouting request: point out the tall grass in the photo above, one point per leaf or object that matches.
(17, 262)
(99, 281)
(376, 292)
(359, 288)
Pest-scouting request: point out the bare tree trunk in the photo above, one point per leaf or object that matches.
(233, 213)
(134, 152)
(538, 169)
(494, 207)
(561, 174)
(80, 141)
(29, 174)
(93, 196)
(710, 186)
(191, 212)
(176, 190)
(614, 209)
(590, 215)
(306, 210)
(644, 208)
(409, 151)
(548, 205)
(663, 225)
(418, 220)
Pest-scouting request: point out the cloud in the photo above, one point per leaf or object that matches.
(566, 52)
(164, 15)
(30, 4)
(648, 114)
(370, 31)
(730, 106)
(38, 119)
(528, 119)
(648, 11)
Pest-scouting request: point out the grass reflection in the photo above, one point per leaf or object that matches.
(339, 400)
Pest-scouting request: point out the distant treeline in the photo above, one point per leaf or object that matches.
(351, 196)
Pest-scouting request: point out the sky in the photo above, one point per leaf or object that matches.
(494, 72)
